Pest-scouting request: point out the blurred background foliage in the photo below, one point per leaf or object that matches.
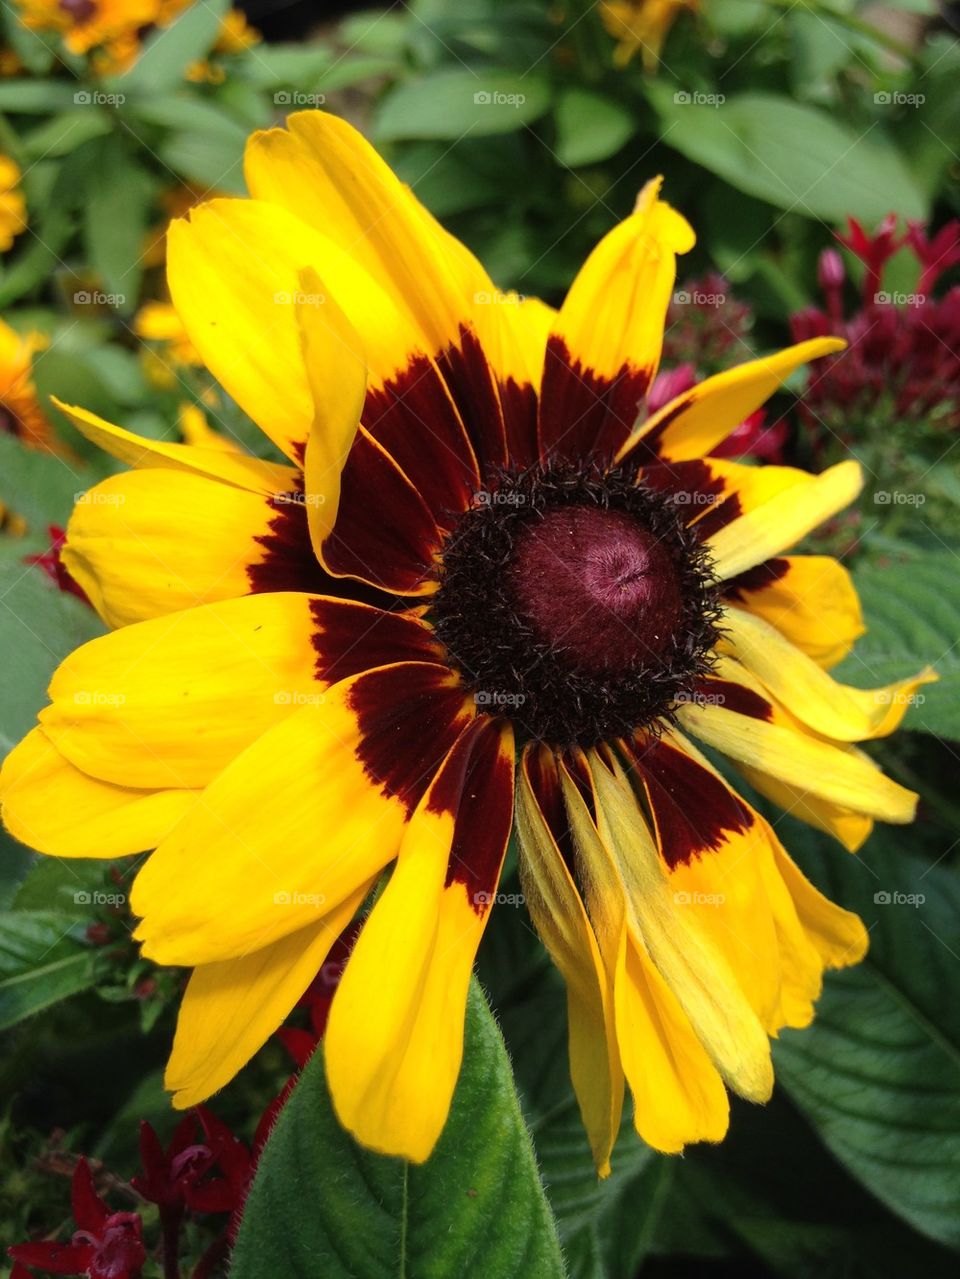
(527, 127)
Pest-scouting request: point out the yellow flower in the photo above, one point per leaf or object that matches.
(643, 25)
(13, 208)
(481, 590)
(87, 24)
(20, 411)
(159, 322)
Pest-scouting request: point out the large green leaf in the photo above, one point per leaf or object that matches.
(912, 611)
(170, 50)
(42, 960)
(796, 157)
(457, 103)
(321, 1206)
(878, 1072)
(590, 127)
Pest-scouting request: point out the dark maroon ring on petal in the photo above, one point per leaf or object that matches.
(409, 716)
(692, 809)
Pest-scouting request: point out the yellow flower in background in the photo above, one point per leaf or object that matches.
(13, 207)
(20, 411)
(115, 29)
(88, 24)
(159, 322)
(235, 36)
(641, 25)
(482, 592)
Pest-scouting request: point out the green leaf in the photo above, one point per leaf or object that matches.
(193, 114)
(878, 1072)
(64, 133)
(796, 157)
(42, 961)
(39, 625)
(456, 103)
(205, 158)
(321, 1206)
(36, 97)
(590, 127)
(169, 51)
(912, 612)
(66, 885)
(278, 66)
(119, 198)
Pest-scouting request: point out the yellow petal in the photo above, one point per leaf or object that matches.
(231, 1008)
(310, 811)
(837, 934)
(801, 760)
(136, 559)
(217, 464)
(171, 701)
(838, 711)
(53, 807)
(604, 349)
(706, 987)
(394, 1040)
(851, 828)
(337, 374)
(811, 599)
(698, 420)
(781, 521)
(323, 171)
(558, 914)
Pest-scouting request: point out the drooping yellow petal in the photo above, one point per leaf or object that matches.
(835, 710)
(802, 760)
(394, 1040)
(678, 1093)
(707, 988)
(311, 810)
(838, 935)
(55, 808)
(169, 702)
(851, 828)
(230, 1009)
(781, 521)
(218, 464)
(810, 599)
(145, 543)
(558, 914)
(698, 420)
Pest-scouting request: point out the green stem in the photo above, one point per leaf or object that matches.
(404, 1204)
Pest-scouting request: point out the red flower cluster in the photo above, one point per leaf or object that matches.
(105, 1245)
(52, 564)
(902, 364)
(204, 1169)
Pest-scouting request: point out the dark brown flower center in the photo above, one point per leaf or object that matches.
(596, 585)
(576, 602)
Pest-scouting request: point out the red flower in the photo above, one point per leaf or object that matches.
(936, 255)
(874, 251)
(106, 1245)
(52, 564)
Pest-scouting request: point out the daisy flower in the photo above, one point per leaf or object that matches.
(641, 26)
(477, 595)
(13, 207)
